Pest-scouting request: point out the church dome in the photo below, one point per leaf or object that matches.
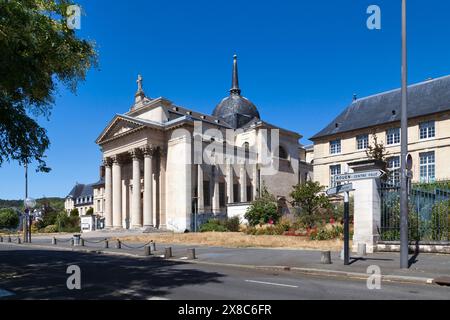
(235, 109)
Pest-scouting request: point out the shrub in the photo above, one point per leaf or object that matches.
(68, 224)
(51, 229)
(309, 197)
(213, 225)
(233, 224)
(263, 209)
(90, 212)
(329, 232)
(9, 219)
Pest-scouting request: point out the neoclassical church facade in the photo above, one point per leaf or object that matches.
(168, 167)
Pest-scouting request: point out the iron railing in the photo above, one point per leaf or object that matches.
(429, 212)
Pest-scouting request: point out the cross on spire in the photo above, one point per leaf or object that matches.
(139, 82)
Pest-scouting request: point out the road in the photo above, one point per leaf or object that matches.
(38, 274)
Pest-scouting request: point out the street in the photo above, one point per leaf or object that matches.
(40, 274)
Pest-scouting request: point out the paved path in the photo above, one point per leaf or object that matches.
(32, 273)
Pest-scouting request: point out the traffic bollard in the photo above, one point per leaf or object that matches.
(168, 253)
(191, 254)
(153, 246)
(106, 244)
(118, 244)
(147, 251)
(54, 241)
(326, 257)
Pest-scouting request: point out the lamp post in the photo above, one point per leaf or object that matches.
(404, 241)
(29, 204)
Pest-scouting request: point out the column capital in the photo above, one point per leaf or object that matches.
(117, 159)
(135, 153)
(107, 162)
(148, 151)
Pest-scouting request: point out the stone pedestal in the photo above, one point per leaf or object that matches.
(367, 210)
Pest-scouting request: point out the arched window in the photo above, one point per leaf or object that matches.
(282, 153)
(247, 150)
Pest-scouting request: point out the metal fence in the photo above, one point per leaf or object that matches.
(429, 212)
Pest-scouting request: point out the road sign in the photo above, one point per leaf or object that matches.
(340, 189)
(358, 176)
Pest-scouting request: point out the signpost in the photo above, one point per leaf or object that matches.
(345, 189)
(375, 174)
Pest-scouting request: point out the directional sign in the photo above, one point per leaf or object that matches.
(358, 176)
(340, 189)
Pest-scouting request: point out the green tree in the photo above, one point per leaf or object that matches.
(309, 197)
(263, 209)
(37, 50)
(74, 213)
(9, 219)
(90, 211)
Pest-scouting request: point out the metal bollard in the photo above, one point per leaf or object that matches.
(54, 241)
(118, 244)
(147, 251)
(9, 239)
(153, 246)
(72, 242)
(1, 239)
(18, 240)
(82, 242)
(326, 257)
(106, 244)
(191, 254)
(362, 249)
(168, 253)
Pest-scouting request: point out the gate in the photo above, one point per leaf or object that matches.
(429, 212)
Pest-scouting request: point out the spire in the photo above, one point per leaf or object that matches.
(235, 81)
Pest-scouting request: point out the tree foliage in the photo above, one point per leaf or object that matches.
(37, 50)
(9, 219)
(310, 197)
(263, 209)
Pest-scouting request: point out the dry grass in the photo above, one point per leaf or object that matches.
(238, 240)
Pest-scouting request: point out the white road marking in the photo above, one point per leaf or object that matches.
(183, 258)
(157, 298)
(5, 293)
(272, 283)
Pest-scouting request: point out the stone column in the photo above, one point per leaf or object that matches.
(108, 194)
(117, 192)
(230, 183)
(148, 187)
(136, 221)
(243, 183)
(216, 190)
(255, 182)
(200, 195)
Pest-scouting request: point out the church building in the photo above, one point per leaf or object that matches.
(173, 168)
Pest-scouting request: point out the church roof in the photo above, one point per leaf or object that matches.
(424, 98)
(81, 190)
(235, 109)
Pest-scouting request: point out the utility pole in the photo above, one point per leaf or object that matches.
(404, 241)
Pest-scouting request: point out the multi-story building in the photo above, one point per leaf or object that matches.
(347, 137)
(80, 197)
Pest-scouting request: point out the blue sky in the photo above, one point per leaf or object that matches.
(299, 61)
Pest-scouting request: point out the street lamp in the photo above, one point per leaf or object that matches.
(29, 204)
(404, 241)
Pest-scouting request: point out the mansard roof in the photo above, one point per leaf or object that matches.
(81, 190)
(429, 97)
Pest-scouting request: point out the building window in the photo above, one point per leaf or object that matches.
(335, 146)
(282, 153)
(427, 130)
(98, 206)
(221, 194)
(334, 170)
(362, 141)
(393, 136)
(427, 167)
(236, 193)
(393, 165)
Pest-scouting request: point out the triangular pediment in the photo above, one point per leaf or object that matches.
(119, 127)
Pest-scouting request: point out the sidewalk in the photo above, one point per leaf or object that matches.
(424, 267)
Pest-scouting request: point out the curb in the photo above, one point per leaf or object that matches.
(305, 271)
